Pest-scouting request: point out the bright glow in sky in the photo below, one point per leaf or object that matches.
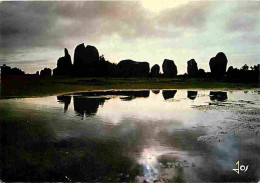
(160, 5)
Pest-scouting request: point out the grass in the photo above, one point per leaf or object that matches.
(53, 86)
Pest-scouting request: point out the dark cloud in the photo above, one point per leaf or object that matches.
(25, 24)
(55, 23)
(52, 23)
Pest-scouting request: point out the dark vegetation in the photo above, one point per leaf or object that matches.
(92, 71)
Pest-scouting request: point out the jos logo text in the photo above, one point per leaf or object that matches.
(242, 168)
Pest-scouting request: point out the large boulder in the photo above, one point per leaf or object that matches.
(169, 68)
(79, 55)
(130, 68)
(46, 72)
(218, 65)
(192, 68)
(155, 70)
(64, 65)
(258, 71)
(201, 73)
(85, 55)
(86, 60)
(64, 62)
(92, 54)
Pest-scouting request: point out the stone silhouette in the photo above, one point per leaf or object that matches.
(192, 68)
(218, 65)
(65, 100)
(85, 60)
(104, 67)
(192, 94)
(258, 71)
(64, 65)
(130, 68)
(169, 68)
(85, 55)
(167, 94)
(130, 95)
(46, 72)
(218, 96)
(155, 70)
(201, 73)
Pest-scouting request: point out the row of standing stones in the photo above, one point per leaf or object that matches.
(87, 63)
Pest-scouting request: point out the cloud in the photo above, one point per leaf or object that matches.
(56, 23)
(244, 17)
(191, 15)
(52, 23)
(241, 23)
(127, 29)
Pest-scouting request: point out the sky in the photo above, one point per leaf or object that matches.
(33, 34)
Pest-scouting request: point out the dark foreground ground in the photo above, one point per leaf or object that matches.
(17, 87)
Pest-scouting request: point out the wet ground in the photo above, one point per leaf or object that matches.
(126, 136)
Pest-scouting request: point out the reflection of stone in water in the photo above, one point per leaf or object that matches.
(192, 94)
(156, 91)
(167, 94)
(130, 95)
(87, 106)
(218, 95)
(64, 99)
(134, 93)
(128, 98)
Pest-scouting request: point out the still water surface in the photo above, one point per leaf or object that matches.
(145, 135)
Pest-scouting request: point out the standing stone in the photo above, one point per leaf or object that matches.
(46, 72)
(192, 67)
(155, 70)
(169, 68)
(201, 73)
(130, 68)
(85, 55)
(64, 65)
(218, 65)
(64, 62)
(258, 66)
(92, 54)
(86, 60)
(79, 55)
